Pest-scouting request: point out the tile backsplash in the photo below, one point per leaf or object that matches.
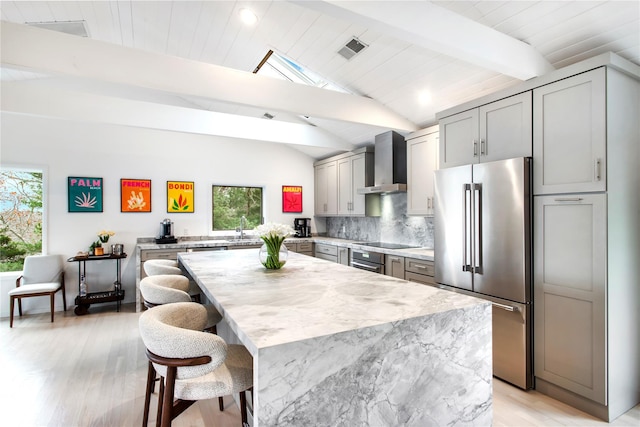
(393, 226)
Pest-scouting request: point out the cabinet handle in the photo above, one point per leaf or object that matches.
(475, 148)
(428, 202)
(483, 147)
(597, 169)
(419, 266)
(568, 199)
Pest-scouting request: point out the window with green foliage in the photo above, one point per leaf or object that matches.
(20, 216)
(231, 203)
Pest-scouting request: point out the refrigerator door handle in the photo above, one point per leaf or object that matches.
(504, 306)
(477, 205)
(466, 227)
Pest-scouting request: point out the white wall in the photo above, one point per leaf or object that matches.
(113, 152)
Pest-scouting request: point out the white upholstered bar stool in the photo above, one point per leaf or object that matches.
(154, 267)
(193, 365)
(170, 288)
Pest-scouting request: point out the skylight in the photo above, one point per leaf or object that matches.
(284, 68)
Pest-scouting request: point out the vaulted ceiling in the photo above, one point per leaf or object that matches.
(187, 65)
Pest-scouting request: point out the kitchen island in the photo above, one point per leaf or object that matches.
(338, 346)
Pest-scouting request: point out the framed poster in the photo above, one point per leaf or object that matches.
(135, 195)
(291, 198)
(84, 194)
(180, 198)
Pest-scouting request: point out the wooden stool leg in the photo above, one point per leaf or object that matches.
(243, 407)
(151, 373)
(160, 399)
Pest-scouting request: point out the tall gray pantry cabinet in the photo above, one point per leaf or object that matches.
(586, 149)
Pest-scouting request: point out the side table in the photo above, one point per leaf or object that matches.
(117, 294)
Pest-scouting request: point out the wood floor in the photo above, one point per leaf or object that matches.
(91, 371)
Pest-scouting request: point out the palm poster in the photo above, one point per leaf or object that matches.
(84, 194)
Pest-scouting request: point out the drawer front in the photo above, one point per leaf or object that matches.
(419, 266)
(160, 254)
(332, 258)
(326, 249)
(419, 278)
(305, 247)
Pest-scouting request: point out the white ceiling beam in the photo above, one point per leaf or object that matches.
(53, 52)
(438, 29)
(45, 101)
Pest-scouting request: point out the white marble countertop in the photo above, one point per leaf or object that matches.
(308, 297)
(425, 254)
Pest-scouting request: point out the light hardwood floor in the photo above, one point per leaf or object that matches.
(91, 371)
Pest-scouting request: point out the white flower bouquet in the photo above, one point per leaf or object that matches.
(273, 235)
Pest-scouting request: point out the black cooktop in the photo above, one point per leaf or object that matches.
(387, 245)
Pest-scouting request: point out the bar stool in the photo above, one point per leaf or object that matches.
(154, 267)
(193, 365)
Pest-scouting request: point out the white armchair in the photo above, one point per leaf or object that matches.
(42, 275)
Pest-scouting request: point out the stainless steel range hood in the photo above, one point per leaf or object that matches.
(390, 164)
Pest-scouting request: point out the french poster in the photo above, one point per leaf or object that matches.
(135, 195)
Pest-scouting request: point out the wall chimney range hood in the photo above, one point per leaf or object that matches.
(390, 165)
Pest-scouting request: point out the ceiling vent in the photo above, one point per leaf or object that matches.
(75, 28)
(352, 48)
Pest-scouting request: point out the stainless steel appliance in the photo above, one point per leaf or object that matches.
(365, 259)
(166, 233)
(302, 227)
(390, 165)
(483, 247)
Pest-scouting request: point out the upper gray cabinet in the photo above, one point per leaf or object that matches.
(569, 134)
(337, 180)
(353, 172)
(326, 188)
(496, 131)
(422, 162)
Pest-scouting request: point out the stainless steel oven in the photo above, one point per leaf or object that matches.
(367, 260)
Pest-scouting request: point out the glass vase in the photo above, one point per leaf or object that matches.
(271, 258)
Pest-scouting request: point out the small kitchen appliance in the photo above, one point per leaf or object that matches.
(166, 233)
(302, 226)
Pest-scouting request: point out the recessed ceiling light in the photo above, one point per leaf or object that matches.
(424, 97)
(247, 16)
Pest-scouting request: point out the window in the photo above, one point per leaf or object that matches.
(21, 201)
(231, 203)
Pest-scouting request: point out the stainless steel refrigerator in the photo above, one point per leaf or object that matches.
(483, 248)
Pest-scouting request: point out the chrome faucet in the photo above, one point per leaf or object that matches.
(243, 224)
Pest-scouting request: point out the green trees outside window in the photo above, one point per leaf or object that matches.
(231, 203)
(20, 217)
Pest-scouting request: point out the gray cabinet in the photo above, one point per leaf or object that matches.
(326, 252)
(496, 131)
(420, 271)
(337, 180)
(333, 253)
(145, 255)
(394, 266)
(326, 190)
(569, 292)
(587, 240)
(422, 161)
(353, 172)
(305, 248)
(570, 134)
